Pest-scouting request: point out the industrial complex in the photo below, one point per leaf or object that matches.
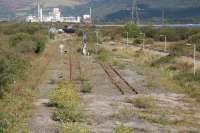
(56, 16)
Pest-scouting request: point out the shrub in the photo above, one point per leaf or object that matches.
(132, 29)
(26, 47)
(40, 46)
(122, 129)
(149, 31)
(195, 39)
(143, 102)
(112, 33)
(121, 65)
(149, 41)
(41, 41)
(163, 60)
(171, 34)
(114, 50)
(138, 40)
(18, 37)
(11, 68)
(83, 77)
(87, 88)
(103, 55)
(177, 49)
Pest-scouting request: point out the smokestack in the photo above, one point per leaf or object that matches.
(38, 8)
(90, 13)
(41, 15)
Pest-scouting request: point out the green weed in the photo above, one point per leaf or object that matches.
(122, 129)
(67, 101)
(87, 88)
(75, 128)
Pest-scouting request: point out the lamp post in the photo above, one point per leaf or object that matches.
(144, 36)
(165, 47)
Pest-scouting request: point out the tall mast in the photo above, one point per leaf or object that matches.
(38, 9)
(137, 14)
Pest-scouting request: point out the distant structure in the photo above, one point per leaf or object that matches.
(55, 16)
(87, 18)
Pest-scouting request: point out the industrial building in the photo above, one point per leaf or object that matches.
(56, 16)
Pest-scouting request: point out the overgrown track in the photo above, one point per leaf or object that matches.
(189, 55)
(74, 65)
(37, 82)
(122, 85)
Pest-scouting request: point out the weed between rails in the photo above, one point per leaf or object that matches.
(69, 109)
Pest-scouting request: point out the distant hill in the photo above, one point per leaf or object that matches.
(120, 10)
(111, 10)
(18, 8)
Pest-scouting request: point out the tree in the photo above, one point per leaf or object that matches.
(132, 29)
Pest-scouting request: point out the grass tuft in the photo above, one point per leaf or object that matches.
(75, 128)
(122, 129)
(143, 102)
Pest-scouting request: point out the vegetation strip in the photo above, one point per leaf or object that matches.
(21, 46)
(69, 109)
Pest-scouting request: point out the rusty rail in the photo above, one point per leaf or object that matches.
(120, 83)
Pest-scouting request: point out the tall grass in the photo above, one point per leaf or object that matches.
(18, 42)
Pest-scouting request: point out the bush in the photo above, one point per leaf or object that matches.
(138, 40)
(123, 129)
(171, 34)
(11, 68)
(67, 101)
(26, 47)
(18, 37)
(103, 55)
(195, 39)
(149, 31)
(177, 49)
(112, 33)
(163, 60)
(41, 41)
(87, 88)
(132, 29)
(143, 102)
(149, 41)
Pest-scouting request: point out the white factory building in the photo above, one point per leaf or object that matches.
(55, 16)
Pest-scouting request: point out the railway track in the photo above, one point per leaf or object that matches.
(119, 82)
(189, 55)
(74, 65)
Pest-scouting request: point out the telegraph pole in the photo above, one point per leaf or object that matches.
(132, 12)
(136, 14)
(91, 14)
(163, 16)
(38, 8)
(194, 59)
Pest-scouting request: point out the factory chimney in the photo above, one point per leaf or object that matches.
(90, 14)
(41, 15)
(38, 9)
